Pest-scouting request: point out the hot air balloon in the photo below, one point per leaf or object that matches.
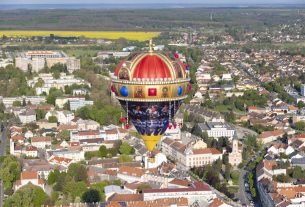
(151, 86)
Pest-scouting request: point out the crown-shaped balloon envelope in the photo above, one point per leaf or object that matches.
(151, 86)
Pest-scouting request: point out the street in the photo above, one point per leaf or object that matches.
(242, 191)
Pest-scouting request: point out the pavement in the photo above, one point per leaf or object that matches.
(242, 191)
(241, 132)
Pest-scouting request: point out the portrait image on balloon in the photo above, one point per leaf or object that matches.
(150, 87)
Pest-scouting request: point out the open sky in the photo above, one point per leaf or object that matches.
(152, 1)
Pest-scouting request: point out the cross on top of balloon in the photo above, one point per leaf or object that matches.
(151, 46)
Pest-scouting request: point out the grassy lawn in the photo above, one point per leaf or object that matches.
(80, 52)
(233, 189)
(235, 177)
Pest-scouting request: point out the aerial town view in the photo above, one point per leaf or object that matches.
(132, 103)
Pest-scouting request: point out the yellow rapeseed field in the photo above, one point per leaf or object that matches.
(140, 36)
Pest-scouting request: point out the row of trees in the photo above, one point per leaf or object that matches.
(121, 148)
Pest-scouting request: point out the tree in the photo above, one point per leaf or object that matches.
(81, 174)
(52, 119)
(125, 158)
(126, 149)
(64, 135)
(53, 94)
(300, 125)
(298, 173)
(301, 104)
(227, 172)
(75, 189)
(9, 171)
(40, 114)
(103, 151)
(91, 196)
(60, 182)
(77, 171)
(282, 178)
(27, 196)
(17, 103)
(53, 177)
(100, 188)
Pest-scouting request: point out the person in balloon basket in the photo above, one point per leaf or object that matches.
(139, 116)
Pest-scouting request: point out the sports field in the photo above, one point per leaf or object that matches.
(140, 36)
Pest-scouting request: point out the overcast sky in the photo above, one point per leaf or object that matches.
(152, 1)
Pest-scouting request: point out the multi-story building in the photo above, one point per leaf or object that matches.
(37, 60)
(76, 104)
(191, 155)
(8, 101)
(48, 82)
(217, 129)
(89, 134)
(196, 192)
(76, 154)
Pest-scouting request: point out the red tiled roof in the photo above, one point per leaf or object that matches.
(275, 133)
(126, 197)
(40, 139)
(60, 160)
(268, 164)
(31, 148)
(196, 187)
(131, 171)
(67, 127)
(88, 133)
(206, 151)
(111, 131)
(216, 203)
(180, 182)
(29, 175)
(18, 138)
(300, 136)
(164, 202)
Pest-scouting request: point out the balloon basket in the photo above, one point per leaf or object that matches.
(151, 160)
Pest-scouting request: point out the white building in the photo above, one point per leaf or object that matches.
(84, 125)
(61, 101)
(191, 155)
(63, 117)
(8, 101)
(27, 116)
(196, 192)
(74, 154)
(29, 177)
(49, 82)
(41, 142)
(76, 104)
(217, 129)
(37, 60)
(88, 134)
